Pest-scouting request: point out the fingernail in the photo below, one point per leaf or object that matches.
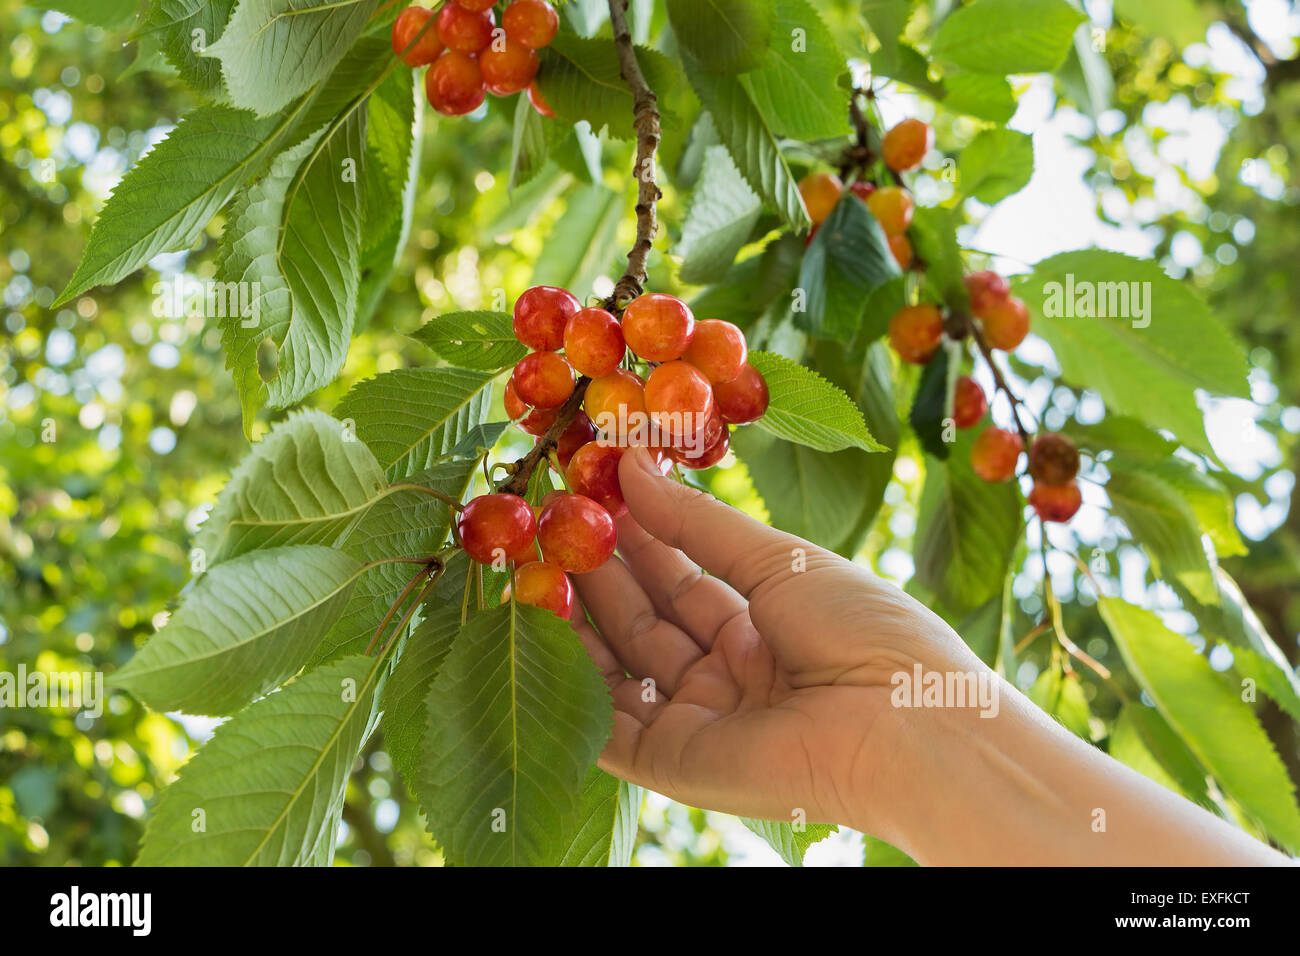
(645, 461)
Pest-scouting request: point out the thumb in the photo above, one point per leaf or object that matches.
(720, 539)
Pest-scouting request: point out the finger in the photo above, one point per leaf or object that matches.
(630, 695)
(698, 603)
(744, 552)
(645, 644)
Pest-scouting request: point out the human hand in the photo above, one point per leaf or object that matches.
(771, 671)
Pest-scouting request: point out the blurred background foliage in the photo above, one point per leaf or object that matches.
(118, 425)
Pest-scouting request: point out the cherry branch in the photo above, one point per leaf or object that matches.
(999, 380)
(645, 106)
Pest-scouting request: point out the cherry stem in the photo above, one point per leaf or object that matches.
(410, 612)
(429, 566)
(432, 492)
(999, 379)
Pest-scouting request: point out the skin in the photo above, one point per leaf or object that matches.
(772, 693)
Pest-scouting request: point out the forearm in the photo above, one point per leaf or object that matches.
(1019, 789)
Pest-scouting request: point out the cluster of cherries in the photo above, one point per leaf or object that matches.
(471, 56)
(903, 149)
(697, 382)
(916, 333)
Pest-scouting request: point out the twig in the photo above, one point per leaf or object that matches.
(999, 379)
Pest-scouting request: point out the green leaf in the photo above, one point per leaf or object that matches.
(163, 203)
(1181, 22)
(934, 237)
(1209, 716)
(274, 50)
(1061, 696)
(301, 484)
(746, 291)
(185, 29)
(411, 417)
(795, 86)
(981, 95)
(933, 403)
(722, 214)
(579, 79)
(606, 835)
(270, 782)
(405, 719)
(750, 140)
(109, 14)
(1007, 36)
(726, 36)
(1255, 653)
(790, 844)
(887, 19)
(1086, 77)
(996, 163)
(581, 246)
(517, 715)
(293, 240)
(808, 410)
(1142, 740)
(476, 340)
(879, 853)
(847, 259)
(247, 626)
(967, 530)
(1166, 527)
(1145, 362)
(529, 144)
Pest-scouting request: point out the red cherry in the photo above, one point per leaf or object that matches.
(679, 401)
(515, 407)
(576, 533)
(915, 332)
(892, 207)
(901, 247)
(717, 349)
(494, 527)
(862, 189)
(593, 342)
(539, 103)
(538, 421)
(906, 144)
(995, 453)
(454, 84)
(1056, 502)
(1053, 459)
(744, 399)
(820, 192)
(712, 453)
(987, 289)
(476, 6)
(542, 584)
(531, 22)
(593, 472)
(576, 436)
(465, 30)
(658, 327)
(540, 316)
(969, 402)
(409, 23)
(543, 379)
(1006, 324)
(615, 403)
(509, 68)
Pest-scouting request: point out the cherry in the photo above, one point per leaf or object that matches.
(616, 404)
(576, 436)
(593, 342)
(1053, 459)
(593, 472)
(539, 420)
(476, 6)
(576, 533)
(995, 453)
(744, 399)
(713, 452)
(467, 31)
(454, 84)
(1006, 324)
(1056, 502)
(915, 332)
(495, 527)
(906, 144)
(717, 349)
(542, 584)
(543, 379)
(679, 401)
(892, 207)
(539, 103)
(986, 290)
(969, 402)
(658, 327)
(531, 22)
(862, 189)
(820, 192)
(902, 250)
(508, 69)
(405, 27)
(540, 316)
(515, 407)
